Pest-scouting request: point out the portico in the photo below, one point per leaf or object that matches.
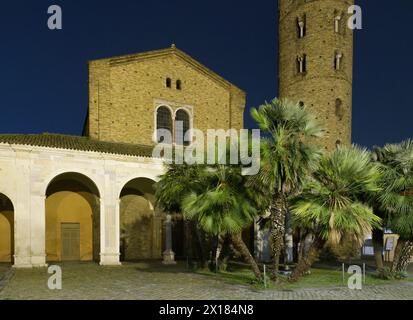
(61, 192)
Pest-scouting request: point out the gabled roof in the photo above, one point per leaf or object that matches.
(165, 52)
(60, 141)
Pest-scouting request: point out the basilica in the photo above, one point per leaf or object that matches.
(91, 197)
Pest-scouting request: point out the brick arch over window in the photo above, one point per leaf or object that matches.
(182, 125)
(163, 122)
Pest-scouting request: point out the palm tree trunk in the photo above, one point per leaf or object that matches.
(397, 254)
(277, 231)
(288, 240)
(307, 261)
(240, 245)
(406, 257)
(188, 238)
(378, 240)
(202, 247)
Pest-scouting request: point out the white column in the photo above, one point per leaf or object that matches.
(38, 230)
(22, 228)
(109, 221)
(168, 255)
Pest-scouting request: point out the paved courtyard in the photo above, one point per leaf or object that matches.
(155, 281)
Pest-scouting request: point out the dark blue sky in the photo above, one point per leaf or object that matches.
(43, 76)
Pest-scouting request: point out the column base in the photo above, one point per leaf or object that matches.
(29, 262)
(110, 259)
(169, 257)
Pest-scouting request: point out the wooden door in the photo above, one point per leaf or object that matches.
(70, 241)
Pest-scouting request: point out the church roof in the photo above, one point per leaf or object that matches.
(60, 141)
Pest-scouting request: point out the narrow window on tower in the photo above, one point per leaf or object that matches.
(168, 82)
(339, 109)
(302, 64)
(338, 22)
(301, 27)
(179, 85)
(338, 60)
(338, 143)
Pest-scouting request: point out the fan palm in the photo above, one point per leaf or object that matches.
(288, 155)
(224, 206)
(395, 201)
(330, 204)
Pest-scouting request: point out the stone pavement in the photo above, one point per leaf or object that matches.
(154, 281)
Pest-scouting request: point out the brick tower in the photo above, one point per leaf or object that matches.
(316, 62)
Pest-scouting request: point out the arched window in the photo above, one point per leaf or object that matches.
(168, 82)
(178, 84)
(182, 125)
(163, 121)
(301, 27)
(338, 143)
(301, 64)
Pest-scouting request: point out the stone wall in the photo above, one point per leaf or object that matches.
(124, 93)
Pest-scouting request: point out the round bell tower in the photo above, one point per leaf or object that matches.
(316, 62)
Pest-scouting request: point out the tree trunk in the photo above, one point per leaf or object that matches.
(307, 261)
(406, 255)
(277, 230)
(288, 240)
(201, 246)
(397, 254)
(240, 245)
(378, 248)
(188, 242)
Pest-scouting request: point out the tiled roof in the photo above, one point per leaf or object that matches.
(60, 141)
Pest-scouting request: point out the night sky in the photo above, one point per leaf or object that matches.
(43, 75)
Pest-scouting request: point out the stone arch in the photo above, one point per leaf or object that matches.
(6, 229)
(140, 222)
(72, 213)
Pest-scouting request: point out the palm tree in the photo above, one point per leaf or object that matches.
(394, 203)
(178, 181)
(288, 155)
(224, 206)
(330, 204)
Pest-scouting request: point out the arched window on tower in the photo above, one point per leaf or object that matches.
(338, 22)
(179, 85)
(301, 27)
(302, 64)
(168, 82)
(338, 143)
(338, 61)
(182, 125)
(163, 122)
(339, 109)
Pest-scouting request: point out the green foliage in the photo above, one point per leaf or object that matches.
(331, 204)
(387, 274)
(394, 201)
(223, 205)
(288, 152)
